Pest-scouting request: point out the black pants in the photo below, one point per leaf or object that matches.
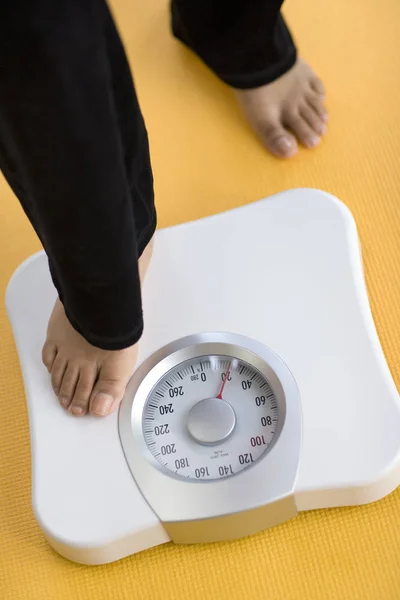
(73, 143)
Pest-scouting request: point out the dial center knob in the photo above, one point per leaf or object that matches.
(211, 421)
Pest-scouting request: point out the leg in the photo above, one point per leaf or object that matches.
(73, 146)
(248, 45)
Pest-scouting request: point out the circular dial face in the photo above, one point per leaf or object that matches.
(210, 417)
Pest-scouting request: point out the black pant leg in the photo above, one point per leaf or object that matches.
(74, 148)
(133, 135)
(245, 42)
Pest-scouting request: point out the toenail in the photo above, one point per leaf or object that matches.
(77, 410)
(312, 141)
(284, 144)
(63, 401)
(102, 404)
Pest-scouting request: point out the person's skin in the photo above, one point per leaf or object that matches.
(85, 378)
(89, 379)
(287, 111)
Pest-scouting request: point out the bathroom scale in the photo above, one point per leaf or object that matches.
(261, 389)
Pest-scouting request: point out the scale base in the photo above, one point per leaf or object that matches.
(288, 273)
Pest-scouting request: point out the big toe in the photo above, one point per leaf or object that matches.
(278, 141)
(110, 387)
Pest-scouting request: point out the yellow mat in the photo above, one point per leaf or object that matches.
(205, 161)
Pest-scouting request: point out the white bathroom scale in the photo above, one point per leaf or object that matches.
(261, 388)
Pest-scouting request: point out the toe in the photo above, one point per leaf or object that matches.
(316, 103)
(304, 133)
(68, 384)
(57, 373)
(49, 353)
(313, 119)
(108, 391)
(278, 140)
(317, 86)
(80, 402)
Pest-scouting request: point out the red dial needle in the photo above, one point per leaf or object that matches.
(225, 378)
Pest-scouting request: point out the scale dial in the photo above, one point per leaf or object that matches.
(210, 417)
(210, 426)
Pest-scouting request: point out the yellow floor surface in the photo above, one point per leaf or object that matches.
(205, 160)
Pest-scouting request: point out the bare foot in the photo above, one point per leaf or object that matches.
(83, 377)
(292, 103)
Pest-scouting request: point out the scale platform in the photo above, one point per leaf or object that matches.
(271, 295)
